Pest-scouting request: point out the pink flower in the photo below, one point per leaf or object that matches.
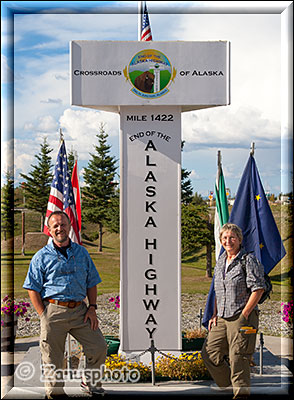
(287, 311)
(11, 307)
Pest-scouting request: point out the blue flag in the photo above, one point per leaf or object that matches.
(252, 213)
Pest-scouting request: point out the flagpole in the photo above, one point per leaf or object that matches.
(252, 148)
(60, 135)
(140, 12)
(219, 158)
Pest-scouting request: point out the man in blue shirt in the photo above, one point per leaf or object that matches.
(60, 277)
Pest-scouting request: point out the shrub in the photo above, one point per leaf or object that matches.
(118, 362)
(195, 333)
(12, 307)
(188, 367)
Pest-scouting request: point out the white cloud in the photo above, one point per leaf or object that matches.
(228, 127)
(6, 71)
(47, 124)
(255, 54)
(24, 152)
(80, 128)
(194, 175)
(6, 158)
(38, 97)
(28, 126)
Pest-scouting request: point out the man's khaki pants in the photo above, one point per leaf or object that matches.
(227, 352)
(56, 322)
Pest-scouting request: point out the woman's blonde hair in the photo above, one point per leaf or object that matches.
(231, 227)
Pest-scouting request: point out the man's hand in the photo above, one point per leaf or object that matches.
(91, 314)
(36, 301)
(212, 321)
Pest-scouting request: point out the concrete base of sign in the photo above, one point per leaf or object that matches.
(145, 357)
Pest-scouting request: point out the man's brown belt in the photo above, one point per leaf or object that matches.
(69, 304)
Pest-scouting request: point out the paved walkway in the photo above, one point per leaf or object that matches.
(275, 379)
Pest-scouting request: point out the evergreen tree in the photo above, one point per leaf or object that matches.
(99, 191)
(195, 233)
(70, 162)
(186, 185)
(7, 202)
(38, 182)
(113, 213)
(198, 199)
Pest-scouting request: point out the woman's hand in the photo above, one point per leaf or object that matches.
(212, 321)
(252, 302)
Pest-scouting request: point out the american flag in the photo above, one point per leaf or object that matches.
(145, 29)
(61, 195)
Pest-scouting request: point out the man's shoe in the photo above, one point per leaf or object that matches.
(92, 391)
(214, 386)
(56, 396)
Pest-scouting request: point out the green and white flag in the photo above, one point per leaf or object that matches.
(221, 216)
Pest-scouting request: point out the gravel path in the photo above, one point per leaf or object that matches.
(270, 319)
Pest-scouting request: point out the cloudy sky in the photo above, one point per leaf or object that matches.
(35, 84)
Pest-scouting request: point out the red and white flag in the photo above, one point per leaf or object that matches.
(61, 196)
(146, 34)
(76, 192)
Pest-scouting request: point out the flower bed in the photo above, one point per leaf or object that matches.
(186, 367)
(118, 362)
(11, 310)
(12, 307)
(287, 312)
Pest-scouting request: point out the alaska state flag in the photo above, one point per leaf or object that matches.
(252, 213)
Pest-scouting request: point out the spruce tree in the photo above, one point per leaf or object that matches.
(38, 182)
(186, 185)
(70, 162)
(7, 201)
(100, 188)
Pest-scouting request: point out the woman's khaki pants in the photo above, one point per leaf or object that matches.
(56, 322)
(227, 352)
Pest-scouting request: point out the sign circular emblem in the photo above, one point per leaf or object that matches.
(150, 73)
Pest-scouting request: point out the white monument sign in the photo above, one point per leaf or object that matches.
(150, 84)
(150, 235)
